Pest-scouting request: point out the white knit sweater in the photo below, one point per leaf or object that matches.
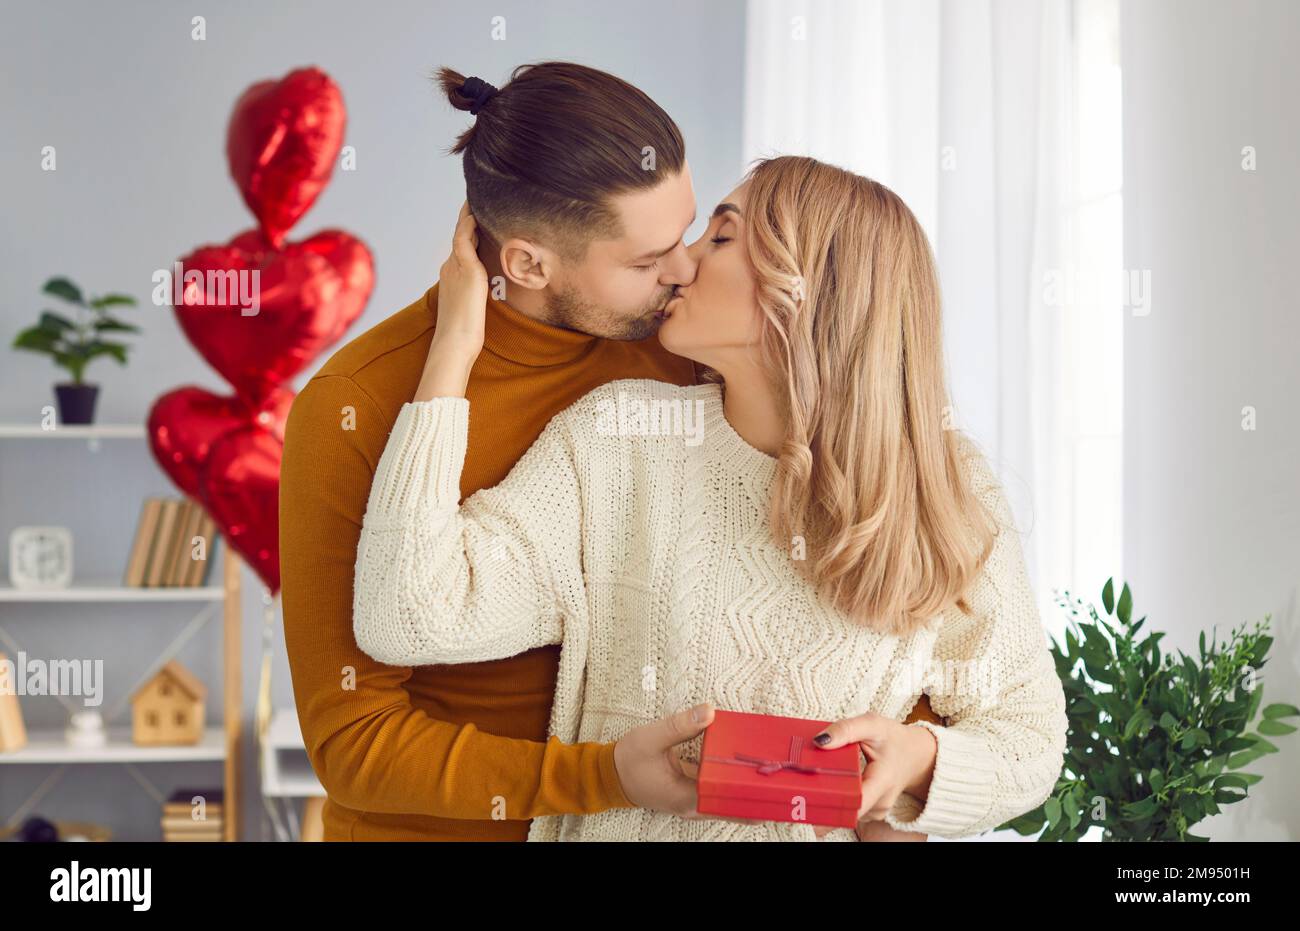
(634, 532)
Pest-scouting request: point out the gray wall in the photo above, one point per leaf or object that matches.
(137, 112)
(1211, 511)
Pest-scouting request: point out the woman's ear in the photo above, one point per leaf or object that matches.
(526, 264)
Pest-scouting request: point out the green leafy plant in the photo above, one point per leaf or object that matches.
(1153, 741)
(74, 342)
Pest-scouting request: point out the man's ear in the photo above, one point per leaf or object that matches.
(526, 264)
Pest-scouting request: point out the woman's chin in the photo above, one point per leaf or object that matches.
(669, 338)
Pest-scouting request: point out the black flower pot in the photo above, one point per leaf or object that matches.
(76, 402)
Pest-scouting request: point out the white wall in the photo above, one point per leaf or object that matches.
(1211, 511)
(137, 112)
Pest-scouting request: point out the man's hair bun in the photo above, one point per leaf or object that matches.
(464, 93)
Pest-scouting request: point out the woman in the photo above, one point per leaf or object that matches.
(801, 536)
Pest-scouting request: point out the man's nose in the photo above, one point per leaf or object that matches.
(678, 267)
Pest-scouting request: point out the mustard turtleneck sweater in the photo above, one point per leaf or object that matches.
(404, 753)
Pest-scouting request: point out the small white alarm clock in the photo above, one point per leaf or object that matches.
(40, 557)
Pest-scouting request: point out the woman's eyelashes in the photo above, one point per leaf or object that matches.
(716, 240)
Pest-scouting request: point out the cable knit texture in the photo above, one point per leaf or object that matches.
(634, 533)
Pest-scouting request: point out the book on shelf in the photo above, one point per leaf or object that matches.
(196, 570)
(184, 824)
(145, 528)
(161, 554)
(188, 524)
(181, 801)
(163, 541)
(178, 822)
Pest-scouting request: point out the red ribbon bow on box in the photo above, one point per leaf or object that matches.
(792, 762)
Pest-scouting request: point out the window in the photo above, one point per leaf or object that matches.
(1088, 550)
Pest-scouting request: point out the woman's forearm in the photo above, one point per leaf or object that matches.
(462, 313)
(409, 551)
(442, 582)
(447, 368)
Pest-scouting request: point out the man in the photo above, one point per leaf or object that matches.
(582, 194)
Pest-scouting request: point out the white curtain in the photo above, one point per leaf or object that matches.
(963, 108)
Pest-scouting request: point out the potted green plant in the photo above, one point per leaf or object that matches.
(74, 342)
(1154, 742)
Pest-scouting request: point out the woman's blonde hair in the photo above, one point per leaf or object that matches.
(870, 475)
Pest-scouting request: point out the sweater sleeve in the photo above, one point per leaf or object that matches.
(440, 582)
(993, 678)
(371, 747)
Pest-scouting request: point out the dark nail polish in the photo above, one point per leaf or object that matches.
(821, 739)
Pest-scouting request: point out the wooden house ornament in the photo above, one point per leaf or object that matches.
(169, 708)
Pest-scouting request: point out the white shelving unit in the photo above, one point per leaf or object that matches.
(286, 770)
(48, 747)
(100, 592)
(108, 431)
(286, 775)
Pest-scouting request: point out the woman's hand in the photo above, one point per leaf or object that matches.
(462, 311)
(878, 832)
(900, 758)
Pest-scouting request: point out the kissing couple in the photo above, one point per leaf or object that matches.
(599, 483)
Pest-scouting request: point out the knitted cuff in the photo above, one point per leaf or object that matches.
(961, 790)
(421, 464)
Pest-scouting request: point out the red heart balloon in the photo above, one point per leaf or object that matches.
(185, 423)
(240, 485)
(261, 326)
(281, 145)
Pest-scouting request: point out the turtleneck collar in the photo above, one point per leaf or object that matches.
(515, 336)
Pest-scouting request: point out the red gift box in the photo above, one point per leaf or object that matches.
(766, 767)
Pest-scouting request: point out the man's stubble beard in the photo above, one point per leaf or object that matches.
(570, 311)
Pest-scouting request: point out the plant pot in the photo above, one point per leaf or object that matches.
(76, 402)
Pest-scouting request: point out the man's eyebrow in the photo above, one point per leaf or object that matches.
(662, 252)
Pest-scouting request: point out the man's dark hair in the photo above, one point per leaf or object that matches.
(553, 145)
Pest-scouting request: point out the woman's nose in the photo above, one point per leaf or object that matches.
(696, 249)
(678, 267)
